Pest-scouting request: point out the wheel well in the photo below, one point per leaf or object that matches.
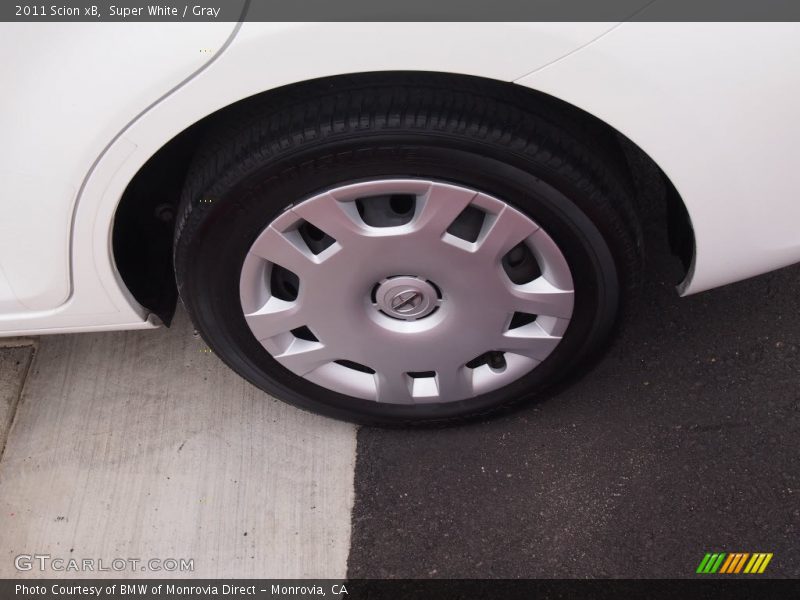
(145, 217)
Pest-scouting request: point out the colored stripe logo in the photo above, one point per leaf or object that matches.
(734, 563)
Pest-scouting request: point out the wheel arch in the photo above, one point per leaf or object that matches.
(142, 231)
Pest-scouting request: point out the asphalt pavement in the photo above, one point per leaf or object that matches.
(683, 439)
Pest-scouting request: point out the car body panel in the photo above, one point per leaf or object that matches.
(71, 88)
(715, 106)
(671, 88)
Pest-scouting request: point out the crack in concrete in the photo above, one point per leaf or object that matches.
(17, 395)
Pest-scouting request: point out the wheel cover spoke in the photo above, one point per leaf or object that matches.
(540, 297)
(284, 249)
(508, 229)
(531, 341)
(393, 387)
(454, 382)
(412, 310)
(439, 207)
(303, 356)
(338, 219)
(275, 317)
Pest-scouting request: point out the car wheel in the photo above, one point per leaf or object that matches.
(400, 254)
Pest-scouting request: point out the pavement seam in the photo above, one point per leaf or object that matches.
(18, 343)
(354, 491)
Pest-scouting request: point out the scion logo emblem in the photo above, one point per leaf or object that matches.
(405, 297)
(406, 301)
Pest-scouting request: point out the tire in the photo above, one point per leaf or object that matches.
(269, 165)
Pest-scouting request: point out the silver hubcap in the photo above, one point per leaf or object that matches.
(404, 291)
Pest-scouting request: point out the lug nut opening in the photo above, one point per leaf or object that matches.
(355, 366)
(520, 319)
(304, 333)
(390, 210)
(316, 239)
(520, 264)
(283, 284)
(468, 224)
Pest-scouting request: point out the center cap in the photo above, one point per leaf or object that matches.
(407, 298)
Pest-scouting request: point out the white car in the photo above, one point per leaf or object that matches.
(388, 223)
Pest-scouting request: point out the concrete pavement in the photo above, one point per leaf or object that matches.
(144, 445)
